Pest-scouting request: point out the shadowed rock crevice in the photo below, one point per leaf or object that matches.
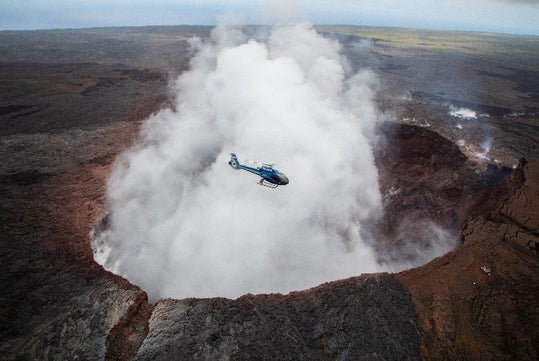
(125, 338)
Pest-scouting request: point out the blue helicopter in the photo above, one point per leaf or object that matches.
(271, 177)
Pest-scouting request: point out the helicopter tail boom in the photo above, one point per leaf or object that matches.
(234, 162)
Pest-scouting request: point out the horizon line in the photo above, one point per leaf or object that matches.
(271, 25)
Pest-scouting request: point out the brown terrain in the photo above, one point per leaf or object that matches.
(71, 101)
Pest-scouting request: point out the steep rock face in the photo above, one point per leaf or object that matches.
(429, 187)
(367, 318)
(481, 302)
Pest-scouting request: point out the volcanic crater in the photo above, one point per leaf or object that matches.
(64, 122)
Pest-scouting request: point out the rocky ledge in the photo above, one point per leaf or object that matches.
(367, 318)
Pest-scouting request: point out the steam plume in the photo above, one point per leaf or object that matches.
(183, 223)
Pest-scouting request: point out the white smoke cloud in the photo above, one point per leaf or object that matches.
(462, 113)
(185, 224)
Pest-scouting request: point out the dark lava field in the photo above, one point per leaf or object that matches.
(459, 142)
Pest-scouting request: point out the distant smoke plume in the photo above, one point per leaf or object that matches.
(183, 223)
(462, 113)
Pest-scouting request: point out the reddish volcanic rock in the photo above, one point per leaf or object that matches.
(481, 302)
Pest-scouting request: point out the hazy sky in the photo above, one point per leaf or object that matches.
(508, 16)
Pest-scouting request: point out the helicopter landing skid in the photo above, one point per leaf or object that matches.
(265, 183)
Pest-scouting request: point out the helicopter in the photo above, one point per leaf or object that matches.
(270, 177)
